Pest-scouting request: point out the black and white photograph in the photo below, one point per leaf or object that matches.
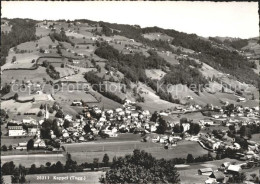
(130, 92)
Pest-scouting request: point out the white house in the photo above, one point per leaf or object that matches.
(16, 131)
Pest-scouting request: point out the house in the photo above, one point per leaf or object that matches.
(77, 103)
(39, 143)
(205, 171)
(186, 127)
(32, 131)
(204, 122)
(16, 131)
(234, 169)
(218, 176)
(29, 121)
(225, 165)
(241, 99)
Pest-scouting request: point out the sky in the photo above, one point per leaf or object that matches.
(232, 19)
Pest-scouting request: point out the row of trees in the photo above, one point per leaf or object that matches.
(97, 85)
(9, 168)
(50, 69)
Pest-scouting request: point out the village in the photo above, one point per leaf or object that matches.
(94, 123)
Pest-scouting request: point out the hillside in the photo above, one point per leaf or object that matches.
(157, 68)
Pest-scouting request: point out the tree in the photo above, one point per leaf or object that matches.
(194, 128)
(105, 159)
(96, 162)
(70, 164)
(59, 114)
(30, 144)
(8, 168)
(141, 167)
(177, 128)
(15, 96)
(48, 164)
(67, 123)
(59, 167)
(190, 158)
(239, 178)
(51, 110)
(155, 116)
(40, 114)
(4, 148)
(183, 120)
(87, 128)
(13, 59)
(33, 169)
(162, 126)
(2, 179)
(18, 176)
(10, 147)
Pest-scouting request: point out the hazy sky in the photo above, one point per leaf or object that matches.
(234, 19)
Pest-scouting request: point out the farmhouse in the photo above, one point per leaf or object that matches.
(234, 169)
(205, 171)
(15, 131)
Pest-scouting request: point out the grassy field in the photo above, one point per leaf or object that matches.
(16, 107)
(152, 101)
(40, 31)
(171, 58)
(155, 74)
(86, 152)
(87, 177)
(65, 71)
(23, 60)
(33, 75)
(256, 137)
(74, 95)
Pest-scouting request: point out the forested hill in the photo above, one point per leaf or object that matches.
(23, 30)
(225, 60)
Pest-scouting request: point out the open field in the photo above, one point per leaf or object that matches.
(74, 95)
(155, 74)
(83, 152)
(41, 31)
(22, 60)
(152, 101)
(45, 42)
(170, 58)
(89, 177)
(32, 75)
(16, 107)
(65, 71)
